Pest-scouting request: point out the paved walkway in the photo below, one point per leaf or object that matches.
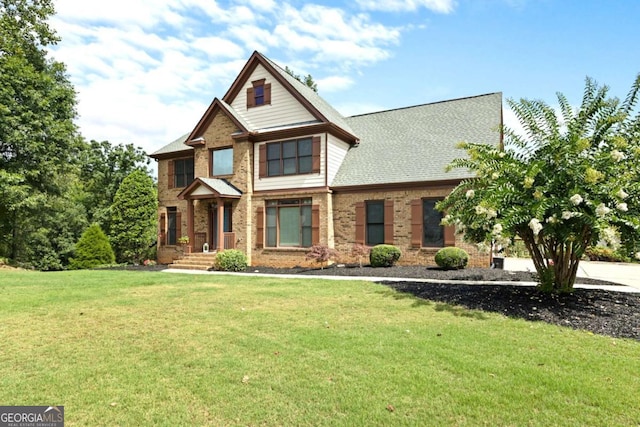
(627, 275)
(616, 272)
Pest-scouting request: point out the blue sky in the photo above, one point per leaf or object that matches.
(146, 70)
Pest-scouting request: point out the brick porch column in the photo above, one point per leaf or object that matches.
(190, 220)
(220, 242)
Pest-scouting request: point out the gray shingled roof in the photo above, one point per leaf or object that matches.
(332, 115)
(221, 186)
(415, 144)
(174, 146)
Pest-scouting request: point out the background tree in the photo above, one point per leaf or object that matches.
(92, 250)
(103, 167)
(133, 217)
(38, 140)
(307, 80)
(570, 182)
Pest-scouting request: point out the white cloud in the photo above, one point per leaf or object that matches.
(440, 6)
(265, 5)
(146, 70)
(334, 83)
(356, 108)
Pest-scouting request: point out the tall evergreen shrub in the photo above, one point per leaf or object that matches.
(93, 249)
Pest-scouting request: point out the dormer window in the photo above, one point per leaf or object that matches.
(259, 94)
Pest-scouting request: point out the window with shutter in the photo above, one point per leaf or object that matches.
(426, 228)
(259, 93)
(291, 223)
(172, 225)
(375, 224)
(181, 172)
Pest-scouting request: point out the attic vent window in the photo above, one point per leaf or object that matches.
(259, 94)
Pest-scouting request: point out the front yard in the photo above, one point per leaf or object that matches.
(148, 348)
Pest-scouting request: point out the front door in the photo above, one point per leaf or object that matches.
(214, 223)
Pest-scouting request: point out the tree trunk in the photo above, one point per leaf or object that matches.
(556, 263)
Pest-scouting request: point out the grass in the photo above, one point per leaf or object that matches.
(145, 348)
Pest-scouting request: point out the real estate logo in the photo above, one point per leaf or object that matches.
(31, 416)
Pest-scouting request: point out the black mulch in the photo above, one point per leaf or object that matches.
(615, 314)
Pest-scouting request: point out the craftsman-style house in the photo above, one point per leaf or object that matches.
(272, 169)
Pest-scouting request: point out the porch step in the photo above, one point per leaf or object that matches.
(195, 261)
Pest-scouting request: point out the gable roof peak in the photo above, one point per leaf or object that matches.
(313, 102)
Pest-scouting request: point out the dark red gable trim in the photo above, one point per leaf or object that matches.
(215, 107)
(257, 59)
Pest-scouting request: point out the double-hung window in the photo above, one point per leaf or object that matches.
(222, 162)
(288, 223)
(172, 225)
(182, 172)
(432, 230)
(426, 228)
(290, 157)
(375, 222)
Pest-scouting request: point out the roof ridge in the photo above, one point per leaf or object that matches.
(423, 105)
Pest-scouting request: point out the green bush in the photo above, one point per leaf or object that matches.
(93, 249)
(599, 253)
(384, 255)
(451, 258)
(231, 260)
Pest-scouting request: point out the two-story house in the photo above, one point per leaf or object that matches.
(272, 169)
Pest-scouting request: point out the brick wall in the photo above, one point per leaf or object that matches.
(217, 135)
(344, 225)
(290, 257)
(169, 197)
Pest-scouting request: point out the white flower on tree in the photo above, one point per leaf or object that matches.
(576, 199)
(535, 226)
(470, 194)
(622, 207)
(497, 229)
(621, 194)
(617, 155)
(602, 210)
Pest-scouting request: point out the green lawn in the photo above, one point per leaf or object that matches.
(143, 348)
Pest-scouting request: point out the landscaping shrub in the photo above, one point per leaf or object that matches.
(93, 249)
(360, 251)
(321, 254)
(452, 258)
(231, 260)
(384, 255)
(599, 253)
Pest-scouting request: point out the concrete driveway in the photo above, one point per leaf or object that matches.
(616, 272)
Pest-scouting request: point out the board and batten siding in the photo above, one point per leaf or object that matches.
(283, 110)
(336, 152)
(290, 181)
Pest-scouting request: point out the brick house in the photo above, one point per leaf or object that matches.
(272, 169)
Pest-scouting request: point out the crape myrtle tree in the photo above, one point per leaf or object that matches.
(133, 217)
(572, 180)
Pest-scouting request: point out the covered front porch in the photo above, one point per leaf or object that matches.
(210, 206)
